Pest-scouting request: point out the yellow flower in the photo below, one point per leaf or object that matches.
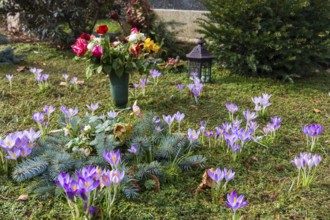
(148, 44)
(155, 48)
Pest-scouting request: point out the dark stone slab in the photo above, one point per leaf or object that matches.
(178, 4)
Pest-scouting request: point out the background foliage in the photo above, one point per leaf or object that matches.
(60, 20)
(277, 38)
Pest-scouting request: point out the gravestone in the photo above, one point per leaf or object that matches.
(178, 4)
(185, 12)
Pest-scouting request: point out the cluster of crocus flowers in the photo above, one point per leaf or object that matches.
(235, 202)
(42, 80)
(261, 103)
(83, 186)
(39, 118)
(306, 164)
(178, 116)
(220, 179)
(196, 88)
(218, 175)
(19, 144)
(312, 134)
(270, 129)
(112, 178)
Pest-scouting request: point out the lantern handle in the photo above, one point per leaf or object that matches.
(201, 41)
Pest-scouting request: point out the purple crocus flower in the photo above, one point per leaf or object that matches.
(194, 74)
(38, 117)
(116, 176)
(226, 126)
(112, 157)
(74, 80)
(133, 149)
(38, 77)
(71, 112)
(48, 110)
(156, 120)
(13, 154)
(9, 77)
(155, 73)
(232, 108)
(34, 70)
(235, 202)
(87, 173)
(44, 77)
(168, 119)
(231, 138)
(179, 116)
(216, 175)
(65, 76)
(235, 147)
(112, 114)
(180, 87)
(9, 142)
(313, 130)
(276, 122)
(249, 116)
(136, 85)
(88, 184)
(32, 135)
(228, 174)
(143, 82)
(93, 107)
(192, 135)
(219, 132)
(63, 180)
(105, 179)
(208, 133)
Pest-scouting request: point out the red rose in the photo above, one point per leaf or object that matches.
(102, 29)
(114, 16)
(85, 36)
(135, 49)
(79, 47)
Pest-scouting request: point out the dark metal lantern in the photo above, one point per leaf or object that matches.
(200, 62)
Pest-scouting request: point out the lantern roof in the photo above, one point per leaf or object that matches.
(199, 52)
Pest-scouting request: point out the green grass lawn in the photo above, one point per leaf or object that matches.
(263, 174)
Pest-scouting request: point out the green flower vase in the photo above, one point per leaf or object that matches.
(119, 89)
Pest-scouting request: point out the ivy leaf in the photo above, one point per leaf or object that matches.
(99, 69)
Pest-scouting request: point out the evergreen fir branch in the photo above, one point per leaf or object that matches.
(29, 169)
(188, 163)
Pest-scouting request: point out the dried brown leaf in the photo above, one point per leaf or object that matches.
(317, 110)
(23, 197)
(20, 68)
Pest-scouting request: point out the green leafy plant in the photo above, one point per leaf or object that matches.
(280, 39)
(59, 20)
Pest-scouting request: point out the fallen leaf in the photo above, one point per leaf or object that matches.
(194, 106)
(63, 84)
(20, 68)
(255, 158)
(23, 197)
(317, 110)
(80, 82)
(206, 181)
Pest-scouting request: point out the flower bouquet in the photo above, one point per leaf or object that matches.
(116, 58)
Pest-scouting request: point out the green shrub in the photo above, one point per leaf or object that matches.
(276, 38)
(60, 20)
(8, 56)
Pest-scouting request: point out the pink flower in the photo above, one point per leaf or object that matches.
(97, 51)
(79, 47)
(134, 31)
